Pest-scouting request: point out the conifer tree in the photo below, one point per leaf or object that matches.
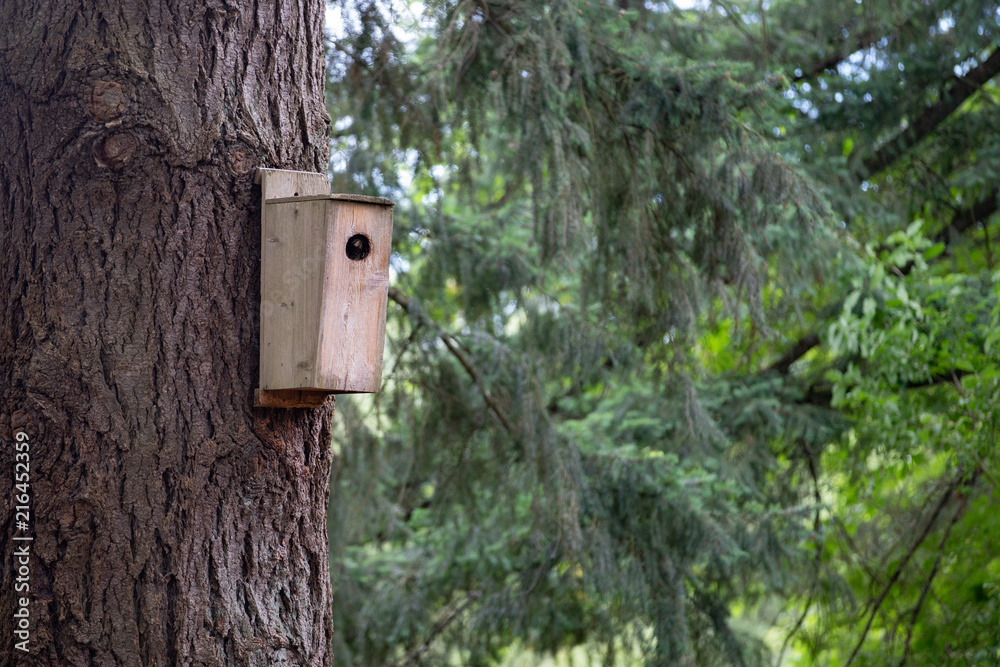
(691, 354)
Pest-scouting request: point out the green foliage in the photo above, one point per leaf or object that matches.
(692, 353)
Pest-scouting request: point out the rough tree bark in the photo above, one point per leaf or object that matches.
(175, 524)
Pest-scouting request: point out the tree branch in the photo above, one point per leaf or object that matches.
(959, 90)
(718, 614)
(949, 492)
(966, 218)
(865, 40)
(853, 548)
(927, 584)
(799, 350)
(793, 631)
(821, 394)
(960, 222)
(414, 655)
(817, 525)
(953, 375)
(453, 347)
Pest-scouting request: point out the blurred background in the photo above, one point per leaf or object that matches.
(691, 350)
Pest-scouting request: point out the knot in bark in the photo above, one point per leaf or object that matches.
(20, 420)
(240, 162)
(106, 101)
(115, 149)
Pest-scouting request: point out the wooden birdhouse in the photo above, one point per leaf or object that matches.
(324, 281)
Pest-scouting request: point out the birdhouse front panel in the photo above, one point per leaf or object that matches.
(324, 290)
(352, 324)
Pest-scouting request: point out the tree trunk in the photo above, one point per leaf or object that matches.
(174, 524)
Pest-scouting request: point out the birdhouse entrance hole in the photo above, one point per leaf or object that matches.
(358, 247)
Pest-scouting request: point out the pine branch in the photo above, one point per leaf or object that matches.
(959, 90)
(821, 394)
(817, 496)
(927, 584)
(966, 218)
(452, 344)
(509, 193)
(865, 40)
(793, 631)
(414, 655)
(953, 375)
(718, 614)
(735, 17)
(853, 547)
(877, 604)
(799, 350)
(449, 342)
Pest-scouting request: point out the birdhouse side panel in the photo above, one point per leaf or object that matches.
(293, 271)
(353, 323)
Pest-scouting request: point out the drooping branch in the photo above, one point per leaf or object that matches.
(452, 344)
(510, 191)
(821, 393)
(865, 40)
(817, 562)
(960, 223)
(966, 218)
(958, 90)
(953, 375)
(795, 628)
(718, 614)
(930, 579)
(877, 603)
(799, 350)
(853, 548)
(413, 657)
